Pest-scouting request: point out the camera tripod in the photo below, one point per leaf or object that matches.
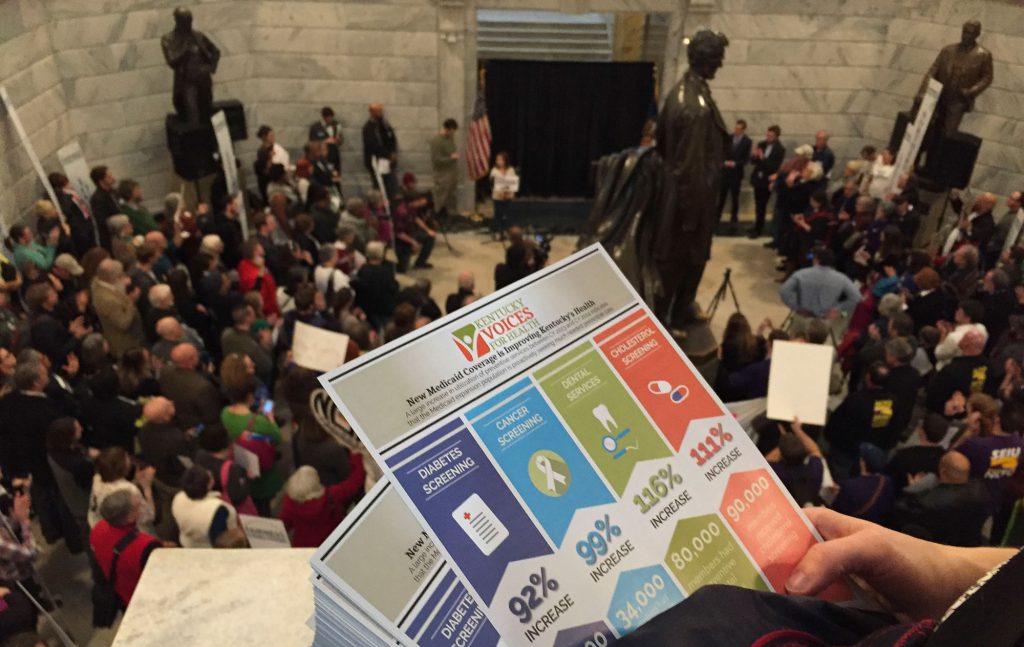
(719, 296)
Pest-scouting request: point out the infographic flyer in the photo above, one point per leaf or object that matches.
(576, 471)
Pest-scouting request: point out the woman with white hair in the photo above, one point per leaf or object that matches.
(213, 245)
(310, 511)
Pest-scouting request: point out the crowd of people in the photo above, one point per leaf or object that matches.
(149, 396)
(929, 344)
(142, 353)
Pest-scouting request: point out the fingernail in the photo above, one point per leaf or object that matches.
(798, 583)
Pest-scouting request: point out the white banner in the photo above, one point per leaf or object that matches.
(914, 135)
(798, 382)
(9, 105)
(228, 162)
(318, 349)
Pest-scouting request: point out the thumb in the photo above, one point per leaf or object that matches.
(842, 553)
(828, 562)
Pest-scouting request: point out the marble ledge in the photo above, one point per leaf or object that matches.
(212, 598)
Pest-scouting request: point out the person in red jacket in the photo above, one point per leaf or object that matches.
(310, 511)
(253, 275)
(120, 512)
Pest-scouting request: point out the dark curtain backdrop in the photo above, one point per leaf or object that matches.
(555, 118)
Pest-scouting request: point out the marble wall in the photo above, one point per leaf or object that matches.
(29, 71)
(94, 71)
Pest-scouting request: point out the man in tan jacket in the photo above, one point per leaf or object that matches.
(122, 325)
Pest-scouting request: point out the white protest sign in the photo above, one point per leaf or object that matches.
(318, 349)
(798, 382)
(72, 160)
(263, 532)
(227, 160)
(914, 135)
(248, 461)
(27, 143)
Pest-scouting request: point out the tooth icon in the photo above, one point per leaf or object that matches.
(604, 416)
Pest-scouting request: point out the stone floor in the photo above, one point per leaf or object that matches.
(753, 279)
(753, 275)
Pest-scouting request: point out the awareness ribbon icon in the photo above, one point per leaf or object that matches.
(544, 465)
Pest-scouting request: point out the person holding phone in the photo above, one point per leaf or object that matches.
(258, 433)
(18, 552)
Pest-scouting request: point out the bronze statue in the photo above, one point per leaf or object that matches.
(965, 71)
(692, 140)
(656, 208)
(194, 59)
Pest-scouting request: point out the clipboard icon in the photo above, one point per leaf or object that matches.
(480, 523)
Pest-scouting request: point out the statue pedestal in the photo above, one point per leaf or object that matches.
(193, 148)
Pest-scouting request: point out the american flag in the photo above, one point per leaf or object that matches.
(478, 153)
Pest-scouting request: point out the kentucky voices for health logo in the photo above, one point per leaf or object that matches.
(494, 329)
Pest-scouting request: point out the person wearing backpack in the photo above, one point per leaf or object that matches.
(121, 553)
(258, 433)
(229, 478)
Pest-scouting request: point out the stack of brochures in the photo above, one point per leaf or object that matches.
(380, 580)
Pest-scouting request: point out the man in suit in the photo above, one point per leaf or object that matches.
(122, 325)
(976, 226)
(1008, 230)
(736, 157)
(380, 143)
(77, 212)
(824, 156)
(103, 202)
(328, 130)
(965, 71)
(766, 160)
